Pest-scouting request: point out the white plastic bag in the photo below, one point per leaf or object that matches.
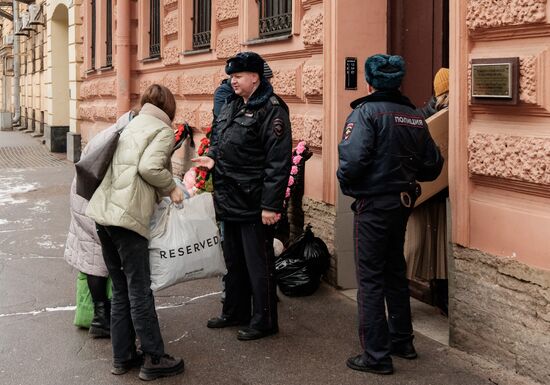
(185, 243)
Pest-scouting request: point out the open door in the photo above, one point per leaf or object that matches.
(418, 30)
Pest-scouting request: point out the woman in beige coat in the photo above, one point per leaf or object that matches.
(122, 207)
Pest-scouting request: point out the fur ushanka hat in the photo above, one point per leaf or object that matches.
(384, 72)
(245, 62)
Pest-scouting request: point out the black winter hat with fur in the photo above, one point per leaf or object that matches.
(245, 62)
(385, 72)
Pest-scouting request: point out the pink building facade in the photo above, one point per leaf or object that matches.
(499, 155)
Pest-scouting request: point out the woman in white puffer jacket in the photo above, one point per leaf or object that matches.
(83, 249)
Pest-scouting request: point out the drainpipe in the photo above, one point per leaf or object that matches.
(4, 89)
(16, 68)
(123, 57)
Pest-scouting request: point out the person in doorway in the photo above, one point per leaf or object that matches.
(251, 156)
(385, 149)
(122, 207)
(426, 239)
(440, 100)
(83, 248)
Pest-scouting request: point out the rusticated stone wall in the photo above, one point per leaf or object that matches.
(513, 157)
(227, 9)
(490, 13)
(322, 217)
(527, 79)
(98, 100)
(313, 28)
(500, 308)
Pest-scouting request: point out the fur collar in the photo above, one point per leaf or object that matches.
(259, 97)
(393, 96)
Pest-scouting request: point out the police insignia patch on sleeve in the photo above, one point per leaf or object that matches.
(278, 127)
(348, 130)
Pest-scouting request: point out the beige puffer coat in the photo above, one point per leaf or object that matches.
(139, 171)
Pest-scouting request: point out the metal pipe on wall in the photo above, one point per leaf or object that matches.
(123, 69)
(16, 68)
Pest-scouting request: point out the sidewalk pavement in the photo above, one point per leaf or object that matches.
(40, 345)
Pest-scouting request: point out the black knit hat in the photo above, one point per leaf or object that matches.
(245, 62)
(385, 72)
(268, 73)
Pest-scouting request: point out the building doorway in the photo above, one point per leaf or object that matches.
(419, 31)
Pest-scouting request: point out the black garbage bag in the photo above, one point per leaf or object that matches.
(300, 267)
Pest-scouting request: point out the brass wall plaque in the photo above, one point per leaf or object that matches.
(495, 81)
(492, 80)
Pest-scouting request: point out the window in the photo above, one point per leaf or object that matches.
(109, 34)
(92, 43)
(275, 18)
(154, 29)
(202, 10)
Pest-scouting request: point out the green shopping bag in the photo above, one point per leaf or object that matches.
(84, 305)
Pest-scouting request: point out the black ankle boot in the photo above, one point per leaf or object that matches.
(101, 323)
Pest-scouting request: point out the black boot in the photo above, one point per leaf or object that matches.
(101, 324)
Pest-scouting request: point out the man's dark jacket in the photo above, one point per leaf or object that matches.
(386, 147)
(252, 146)
(221, 94)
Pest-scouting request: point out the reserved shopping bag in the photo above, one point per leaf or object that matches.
(185, 243)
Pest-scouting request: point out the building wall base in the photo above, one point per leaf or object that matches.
(56, 138)
(74, 149)
(5, 121)
(499, 308)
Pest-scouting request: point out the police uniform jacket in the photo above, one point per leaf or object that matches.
(386, 147)
(252, 147)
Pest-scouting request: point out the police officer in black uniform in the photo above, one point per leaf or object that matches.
(385, 149)
(250, 151)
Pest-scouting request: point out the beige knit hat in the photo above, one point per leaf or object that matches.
(441, 81)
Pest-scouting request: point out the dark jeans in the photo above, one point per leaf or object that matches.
(133, 311)
(248, 252)
(379, 235)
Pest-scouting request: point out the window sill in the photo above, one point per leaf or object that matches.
(151, 59)
(267, 40)
(196, 51)
(106, 68)
(90, 71)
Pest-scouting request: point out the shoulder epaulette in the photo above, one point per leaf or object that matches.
(273, 99)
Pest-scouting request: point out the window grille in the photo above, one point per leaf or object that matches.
(92, 45)
(275, 18)
(154, 29)
(109, 34)
(202, 10)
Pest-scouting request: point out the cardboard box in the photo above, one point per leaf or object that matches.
(438, 125)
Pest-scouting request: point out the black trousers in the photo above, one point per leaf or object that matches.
(379, 234)
(126, 255)
(250, 288)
